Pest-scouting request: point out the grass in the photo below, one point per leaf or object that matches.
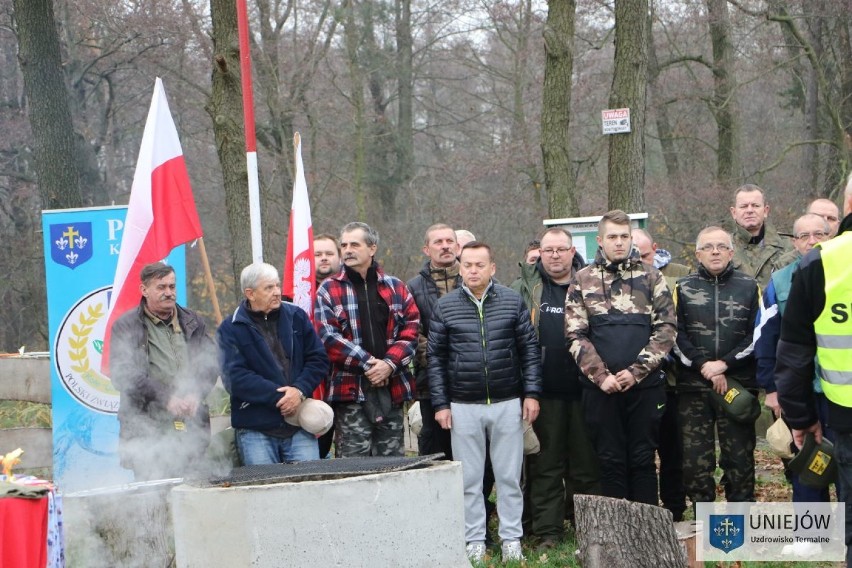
(19, 414)
(770, 485)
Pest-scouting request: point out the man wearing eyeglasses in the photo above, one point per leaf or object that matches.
(809, 229)
(566, 449)
(817, 323)
(758, 245)
(716, 310)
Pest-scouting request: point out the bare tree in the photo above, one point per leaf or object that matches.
(629, 82)
(556, 109)
(724, 93)
(47, 97)
(225, 107)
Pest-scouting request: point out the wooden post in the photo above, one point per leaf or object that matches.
(208, 277)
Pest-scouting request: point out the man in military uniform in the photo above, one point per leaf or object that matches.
(716, 310)
(757, 246)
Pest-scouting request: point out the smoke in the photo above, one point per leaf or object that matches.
(131, 525)
(128, 526)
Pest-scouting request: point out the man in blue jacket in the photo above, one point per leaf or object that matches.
(484, 377)
(271, 359)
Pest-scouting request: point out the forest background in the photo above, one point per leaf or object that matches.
(481, 114)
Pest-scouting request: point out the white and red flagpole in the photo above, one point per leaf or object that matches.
(251, 140)
(161, 214)
(299, 268)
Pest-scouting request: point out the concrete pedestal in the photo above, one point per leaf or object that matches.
(409, 518)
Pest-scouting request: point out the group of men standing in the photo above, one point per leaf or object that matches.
(597, 357)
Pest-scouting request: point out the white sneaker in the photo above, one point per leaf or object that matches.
(475, 551)
(512, 551)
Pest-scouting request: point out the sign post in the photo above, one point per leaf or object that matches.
(615, 121)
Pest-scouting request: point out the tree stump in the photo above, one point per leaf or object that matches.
(616, 533)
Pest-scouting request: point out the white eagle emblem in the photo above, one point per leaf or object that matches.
(302, 284)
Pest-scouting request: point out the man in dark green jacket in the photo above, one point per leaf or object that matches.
(716, 311)
(566, 449)
(757, 246)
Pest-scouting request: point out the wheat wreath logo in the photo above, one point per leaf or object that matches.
(77, 351)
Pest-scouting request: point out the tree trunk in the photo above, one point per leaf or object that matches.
(724, 99)
(405, 112)
(616, 533)
(556, 110)
(664, 126)
(356, 82)
(626, 169)
(225, 107)
(47, 96)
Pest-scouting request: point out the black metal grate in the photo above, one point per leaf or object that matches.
(314, 470)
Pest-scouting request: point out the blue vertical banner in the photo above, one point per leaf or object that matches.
(81, 253)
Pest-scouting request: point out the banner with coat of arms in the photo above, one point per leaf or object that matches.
(81, 251)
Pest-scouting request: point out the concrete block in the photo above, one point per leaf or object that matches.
(411, 518)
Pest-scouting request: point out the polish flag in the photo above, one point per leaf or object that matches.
(300, 281)
(299, 269)
(161, 214)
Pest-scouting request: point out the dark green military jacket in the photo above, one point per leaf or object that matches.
(760, 259)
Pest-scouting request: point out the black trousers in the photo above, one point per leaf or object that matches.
(625, 428)
(432, 438)
(672, 491)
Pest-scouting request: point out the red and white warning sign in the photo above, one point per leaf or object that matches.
(615, 120)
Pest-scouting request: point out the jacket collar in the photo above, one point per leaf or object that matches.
(343, 277)
(448, 273)
(723, 276)
(631, 261)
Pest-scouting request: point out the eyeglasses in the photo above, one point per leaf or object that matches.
(710, 248)
(818, 235)
(560, 251)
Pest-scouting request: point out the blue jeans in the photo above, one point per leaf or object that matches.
(256, 448)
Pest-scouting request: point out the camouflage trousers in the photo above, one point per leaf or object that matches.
(356, 436)
(701, 418)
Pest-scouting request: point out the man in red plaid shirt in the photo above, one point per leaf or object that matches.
(368, 322)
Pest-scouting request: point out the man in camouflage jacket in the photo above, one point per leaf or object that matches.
(716, 311)
(758, 247)
(620, 320)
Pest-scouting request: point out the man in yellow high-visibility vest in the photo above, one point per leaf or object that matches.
(818, 322)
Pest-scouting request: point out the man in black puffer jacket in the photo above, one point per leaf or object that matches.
(483, 359)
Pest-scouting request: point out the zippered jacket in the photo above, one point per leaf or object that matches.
(482, 353)
(250, 372)
(716, 317)
(529, 285)
(620, 316)
(426, 291)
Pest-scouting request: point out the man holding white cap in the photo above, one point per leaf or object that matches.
(272, 360)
